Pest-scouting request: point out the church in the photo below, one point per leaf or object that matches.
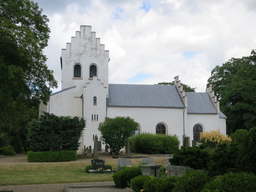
(165, 109)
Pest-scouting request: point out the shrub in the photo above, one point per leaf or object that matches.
(223, 160)
(214, 137)
(232, 182)
(246, 150)
(154, 143)
(138, 182)
(166, 185)
(124, 176)
(192, 181)
(54, 133)
(17, 144)
(192, 157)
(9, 150)
(150, 185)
(108, 167)
(51, 156)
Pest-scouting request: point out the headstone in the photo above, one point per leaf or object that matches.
(106, 149)
(177, 170)
(168, 161)
(194, 143)
(186, 142)
(99, 146)
(95, 149)
(97, 163)
(90, 149)
(127, 148)
(150, 169)
(148, 160)
(123, 162)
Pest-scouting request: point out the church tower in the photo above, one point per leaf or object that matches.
(84, 65)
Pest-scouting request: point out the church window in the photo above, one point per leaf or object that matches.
(94, 100)
(197, 129)
(92, 117)
(160, 129)
(93, 71)
(77, 70)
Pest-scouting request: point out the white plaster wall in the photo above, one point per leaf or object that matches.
(208, 122)
(85, 49)
(94, 88)
(148, 118)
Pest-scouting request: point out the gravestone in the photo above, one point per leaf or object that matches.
(150, 169)
(90, 149)
(178, 171)
(99, 146)
(148, 160)
(168, 161)
(123, 162)
(194, 143)
(97, 163)
(186, 142)
(95, 149)
(128, 148)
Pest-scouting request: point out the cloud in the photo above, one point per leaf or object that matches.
(152, 41)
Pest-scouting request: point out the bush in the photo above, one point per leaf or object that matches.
(192, 181)
(166, 185)
(90, 167)
(17, 144)
(138, 182)
(192, 157)
(54, 133)
(214, 137)
(124, 176)
(223, 160)
(246, 150)
(154, 143)
(9, 150)
(151, 185)
(232, 182)
(51, 156)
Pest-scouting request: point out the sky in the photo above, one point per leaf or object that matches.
(152, 41)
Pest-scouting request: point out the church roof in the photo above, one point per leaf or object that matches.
(167, 96)
(134, 95)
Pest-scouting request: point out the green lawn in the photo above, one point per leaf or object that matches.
(62, 172)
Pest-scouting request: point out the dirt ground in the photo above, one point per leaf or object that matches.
(22, 159)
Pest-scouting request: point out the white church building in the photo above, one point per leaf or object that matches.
(87, 93)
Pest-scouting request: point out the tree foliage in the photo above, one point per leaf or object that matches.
(187, 88)
(115, 131)
(235, 83)
(25, 78)
(53, 133)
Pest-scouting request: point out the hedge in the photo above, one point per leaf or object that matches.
(154, 143)
(51, 156)
(9, 150)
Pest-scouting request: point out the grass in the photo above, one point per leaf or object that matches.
(61, 172)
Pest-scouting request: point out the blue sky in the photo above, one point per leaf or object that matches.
(153, 41)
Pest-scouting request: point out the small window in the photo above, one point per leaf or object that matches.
(93, 71)
(197, 129)
(94, 100)
(160, 129)
(77, 71)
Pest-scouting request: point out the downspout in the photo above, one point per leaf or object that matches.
(82, 97)
(184, 122)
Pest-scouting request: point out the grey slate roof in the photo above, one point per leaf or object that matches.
(200, 103)
(133, 95)
(63, 90)
(222, 115)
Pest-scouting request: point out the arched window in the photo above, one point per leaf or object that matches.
(94, 100)
(197, 129)
(77, 71)
(93, 71)
(160, 129)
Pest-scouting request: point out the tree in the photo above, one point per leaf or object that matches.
(115, 131)
(53, 133)
(187, 88)
(25, 78)
(235, 84)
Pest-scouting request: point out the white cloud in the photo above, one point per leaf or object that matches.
(155, 43)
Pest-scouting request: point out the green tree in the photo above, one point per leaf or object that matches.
(25, 78)
(187, 88)
(235, 84)
(54, 133)
(115, 131)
